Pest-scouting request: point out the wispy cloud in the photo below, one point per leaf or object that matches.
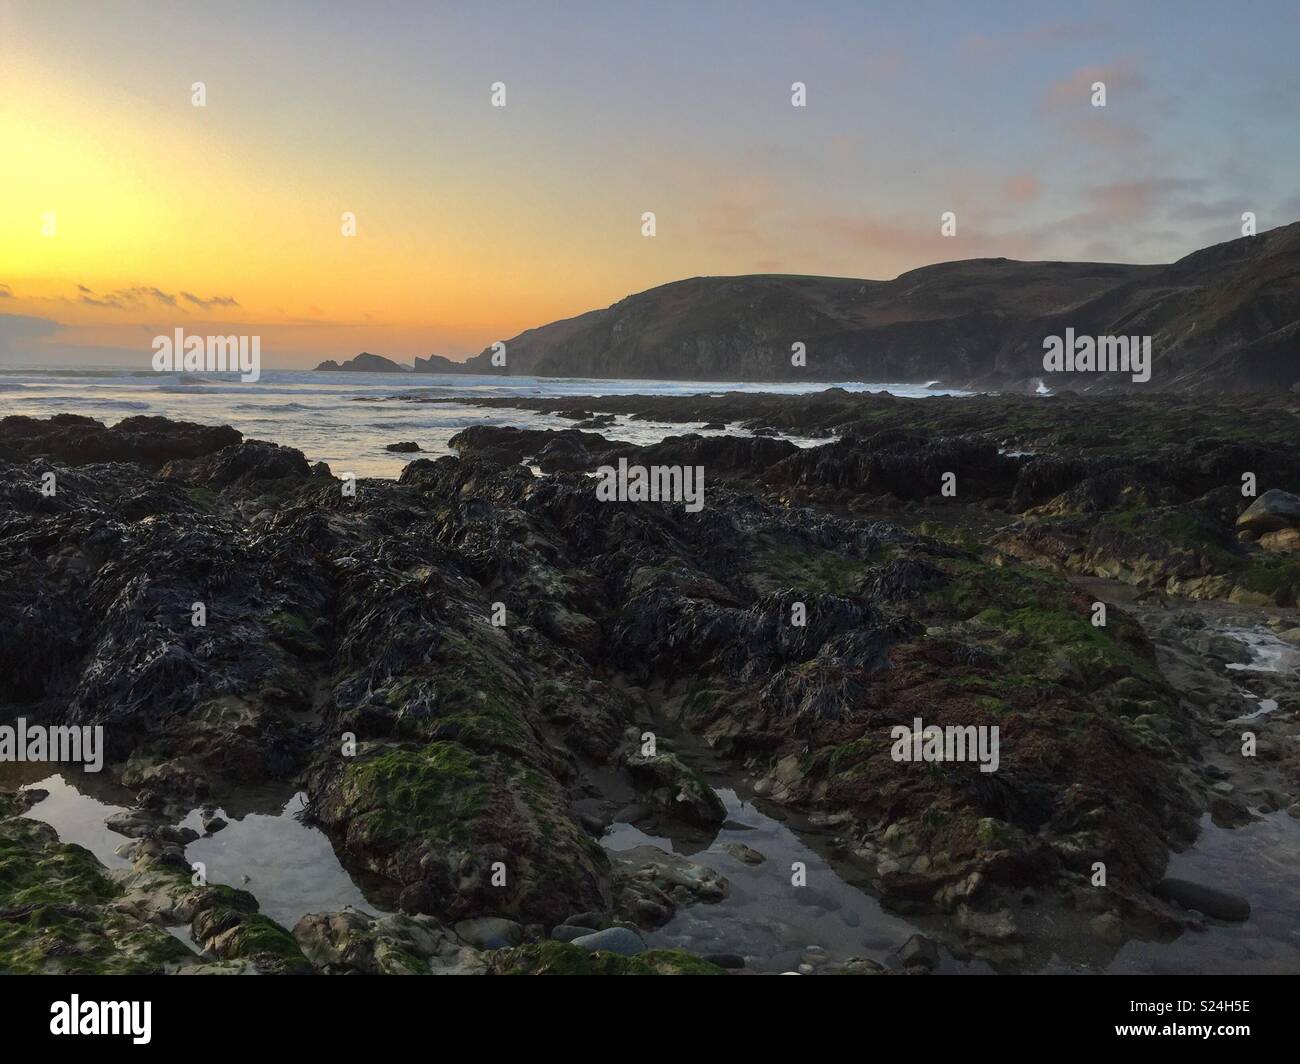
(139, 296)
(126, 298)
(214, 301)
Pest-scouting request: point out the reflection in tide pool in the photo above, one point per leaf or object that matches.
(1259, 861)
(78, 817)
(292, 870)
(765, 919)
(289, 866)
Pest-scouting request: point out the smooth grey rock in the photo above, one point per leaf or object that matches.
(568, 932)
(1215, 903)
(490, 932)
(1274, 510)
(618, 940)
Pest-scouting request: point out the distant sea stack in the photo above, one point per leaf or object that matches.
(365, 363)
(437, 364)
(368, 363)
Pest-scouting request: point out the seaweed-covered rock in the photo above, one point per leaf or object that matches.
(451, 662)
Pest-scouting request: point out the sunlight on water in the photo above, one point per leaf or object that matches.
(345, 418)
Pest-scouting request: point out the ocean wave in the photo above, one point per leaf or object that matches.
(74, 403)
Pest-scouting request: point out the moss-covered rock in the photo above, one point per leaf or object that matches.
(450, 823)
(676, 789)
(57, 914)
(232, 934)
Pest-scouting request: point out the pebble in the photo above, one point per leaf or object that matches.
(744, 853)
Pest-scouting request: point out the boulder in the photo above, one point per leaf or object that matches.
(650, 884)
(918, 952)
(490, 932)
(1215, 903)
(677, 789)
(397, 944)
(1274, 510)
(1284, 539)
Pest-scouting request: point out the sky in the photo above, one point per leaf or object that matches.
(126, 211)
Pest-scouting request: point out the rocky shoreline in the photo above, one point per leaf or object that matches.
(463, 668)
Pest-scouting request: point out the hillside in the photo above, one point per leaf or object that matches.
(1226, 317)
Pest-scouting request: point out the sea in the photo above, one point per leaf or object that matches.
(346, 419)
